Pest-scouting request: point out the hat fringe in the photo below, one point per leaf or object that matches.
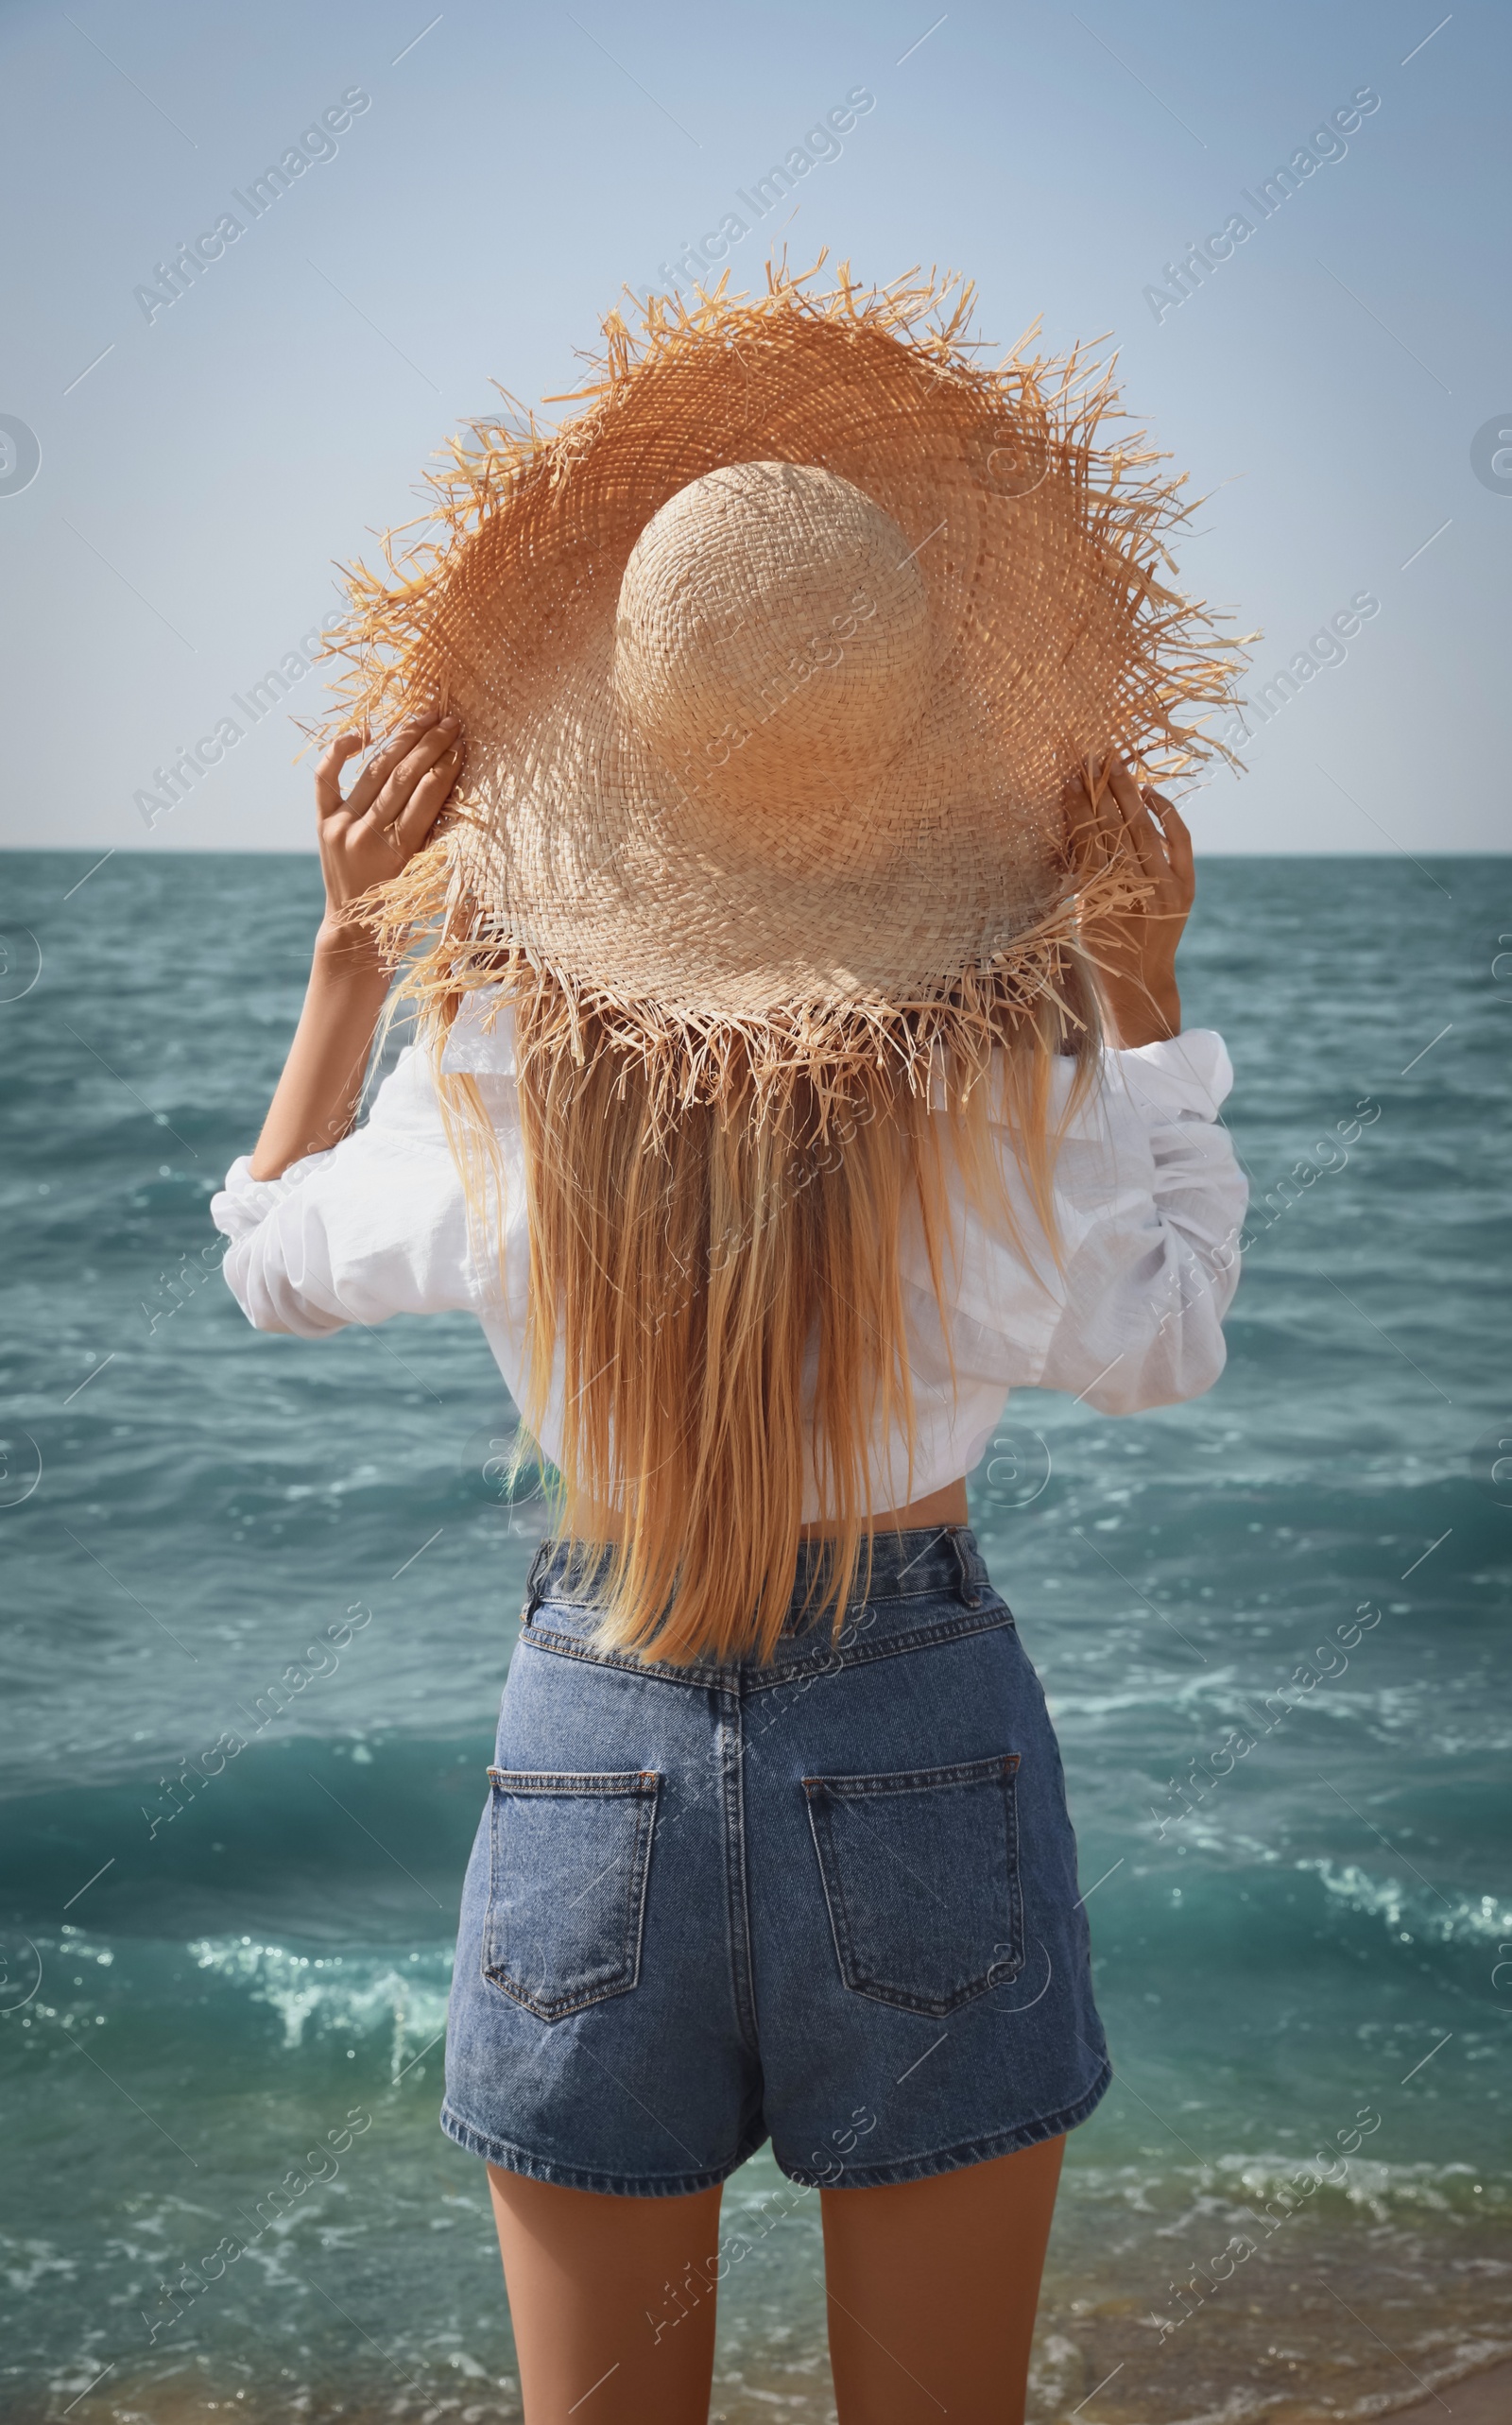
(803, 1067)
(826, 1054)
(1132, 511)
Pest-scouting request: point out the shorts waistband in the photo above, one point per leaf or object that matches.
(923, 1587)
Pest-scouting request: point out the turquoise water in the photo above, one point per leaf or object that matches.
(1299, 1890)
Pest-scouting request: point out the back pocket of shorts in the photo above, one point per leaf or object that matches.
(569, 1864)
(920, 1873)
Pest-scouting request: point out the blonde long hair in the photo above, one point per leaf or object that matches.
(717, 1289)
(718, 1205)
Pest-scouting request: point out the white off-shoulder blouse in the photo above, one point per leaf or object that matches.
(1150, 1206)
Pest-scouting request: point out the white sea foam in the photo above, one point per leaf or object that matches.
(1233, 2184)
(354, 1994)
(1444, 1918)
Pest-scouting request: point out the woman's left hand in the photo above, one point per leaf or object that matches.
(391, 809)
(388, 815)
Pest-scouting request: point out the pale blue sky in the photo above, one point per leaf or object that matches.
(513, 167)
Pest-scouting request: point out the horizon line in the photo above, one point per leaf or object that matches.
(269, 850)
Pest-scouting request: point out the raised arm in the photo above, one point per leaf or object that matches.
(369, 834)
(1136, 953)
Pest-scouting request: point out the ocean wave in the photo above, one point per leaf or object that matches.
(355, 1995)
(1222, 2190)
(1445, 1919)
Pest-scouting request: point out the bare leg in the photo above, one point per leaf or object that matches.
(612, 2300)
(932, 2287)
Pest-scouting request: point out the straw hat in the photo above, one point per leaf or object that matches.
(774, 662)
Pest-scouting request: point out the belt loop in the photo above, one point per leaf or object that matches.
(533, 1592)
(971, 1597)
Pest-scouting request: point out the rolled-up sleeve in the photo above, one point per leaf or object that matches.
(1157, 1204)
(375, 1227)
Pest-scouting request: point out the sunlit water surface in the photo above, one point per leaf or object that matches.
(1304, 1950)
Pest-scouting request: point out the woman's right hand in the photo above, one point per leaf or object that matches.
(391, 809)
(1135, 949)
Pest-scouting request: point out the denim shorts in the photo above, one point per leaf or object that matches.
(831, 1900)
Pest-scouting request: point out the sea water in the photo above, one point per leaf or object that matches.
(1271, 1625)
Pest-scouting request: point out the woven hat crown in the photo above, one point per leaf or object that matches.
(773, 641)
(777, 664)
